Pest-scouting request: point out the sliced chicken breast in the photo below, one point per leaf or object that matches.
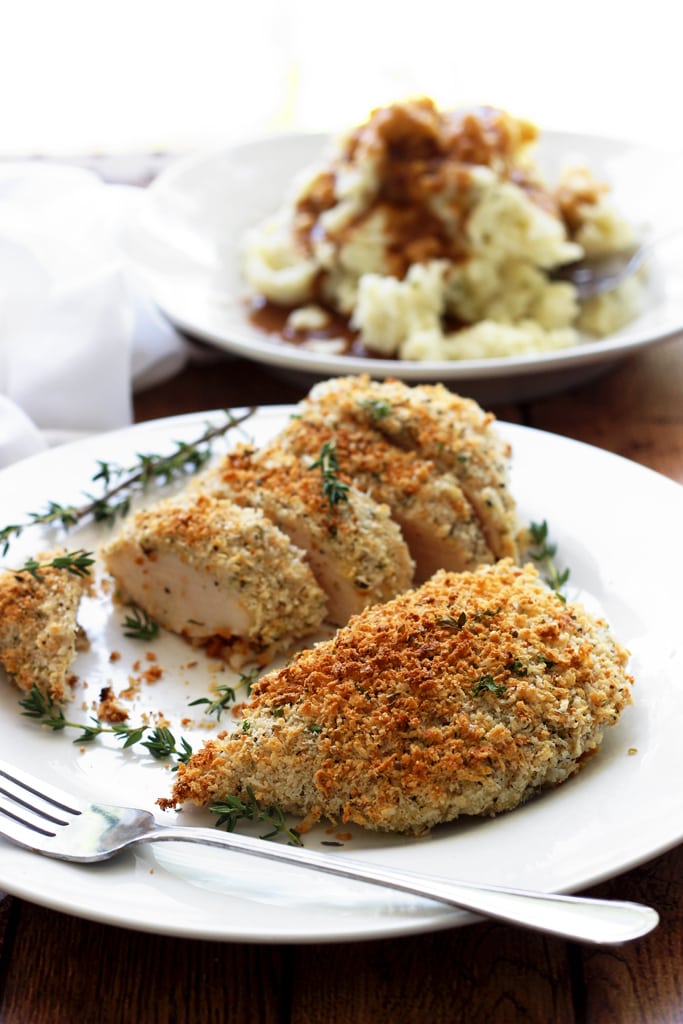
(452, 431)
(39, 630)
(353, 546)
(206, 568)
(436, 520)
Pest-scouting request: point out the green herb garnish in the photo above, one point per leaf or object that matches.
(120, 483)
(378, 408)
(158, 740)
(450, 622)
(226, 694)
(543, 553)
(334, 489)
(140, 626)
(232, 809)
(76, 562)
(487, 682)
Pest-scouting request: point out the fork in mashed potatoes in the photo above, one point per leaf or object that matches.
(431, 235)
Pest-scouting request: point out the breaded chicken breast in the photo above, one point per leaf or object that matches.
(436, 520)
(452, 431)
(206, 568)
(465, 696)
(39, 630)
(353, 546)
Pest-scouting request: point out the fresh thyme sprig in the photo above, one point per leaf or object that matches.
(120, 483)
(543, 553)
(158, 740)
(76, 562)
(232, 809)
(226, 694)
(334, 489)
(378, 408)
(139, 625)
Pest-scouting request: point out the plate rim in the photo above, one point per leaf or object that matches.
(259, 348)
(119, 917)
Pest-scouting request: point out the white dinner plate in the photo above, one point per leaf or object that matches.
(617, 527)
(186, 247)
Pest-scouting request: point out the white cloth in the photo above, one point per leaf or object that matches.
(77, 335)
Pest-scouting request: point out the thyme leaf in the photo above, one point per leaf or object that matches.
(76, 562)
(226, 694)
(334, 489)
(543, 552)
(158, 740)
(378, 408)
(487, 682)
(232, 809)
(120, 483)
(139, 625)
(450, 622)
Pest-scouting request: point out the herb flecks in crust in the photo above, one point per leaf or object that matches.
(400, 721)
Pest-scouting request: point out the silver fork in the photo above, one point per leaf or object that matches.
(594, 275)
(49, 821)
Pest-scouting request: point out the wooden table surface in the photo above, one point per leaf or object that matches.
(56, 969)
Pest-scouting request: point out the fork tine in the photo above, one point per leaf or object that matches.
(31, 812)
(52, 797)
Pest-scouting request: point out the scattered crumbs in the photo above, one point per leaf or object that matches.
(110, 709)
(115, 656)
(237, 709)
(136, 666)
(632, 751)
(133, 688)
(192, 664)
(152, 674)
(185, 722)
(151, 656)
(81, 750)
(151, 871)
(345, 836)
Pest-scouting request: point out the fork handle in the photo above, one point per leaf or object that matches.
(572, 917)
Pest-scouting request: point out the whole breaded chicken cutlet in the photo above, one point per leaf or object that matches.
(463, 697)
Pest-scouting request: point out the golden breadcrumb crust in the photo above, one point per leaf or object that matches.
(354, 539)
(462, 697)
(437, 521)
(39, 632)
(451, 430)
(245, 558)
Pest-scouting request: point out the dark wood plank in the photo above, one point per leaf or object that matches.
(64, 970)
(635, 411)
(486, 972)
(221, 382)
(642, 981)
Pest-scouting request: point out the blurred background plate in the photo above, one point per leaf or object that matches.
(185, 247)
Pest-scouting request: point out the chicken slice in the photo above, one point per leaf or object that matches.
(454, 432)
(39, 631)
(206, 568)
(353, 546)
(436, 520)
(465, 696)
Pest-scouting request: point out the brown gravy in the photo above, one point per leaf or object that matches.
(271, 320)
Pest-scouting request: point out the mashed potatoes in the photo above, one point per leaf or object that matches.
(431, 235)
